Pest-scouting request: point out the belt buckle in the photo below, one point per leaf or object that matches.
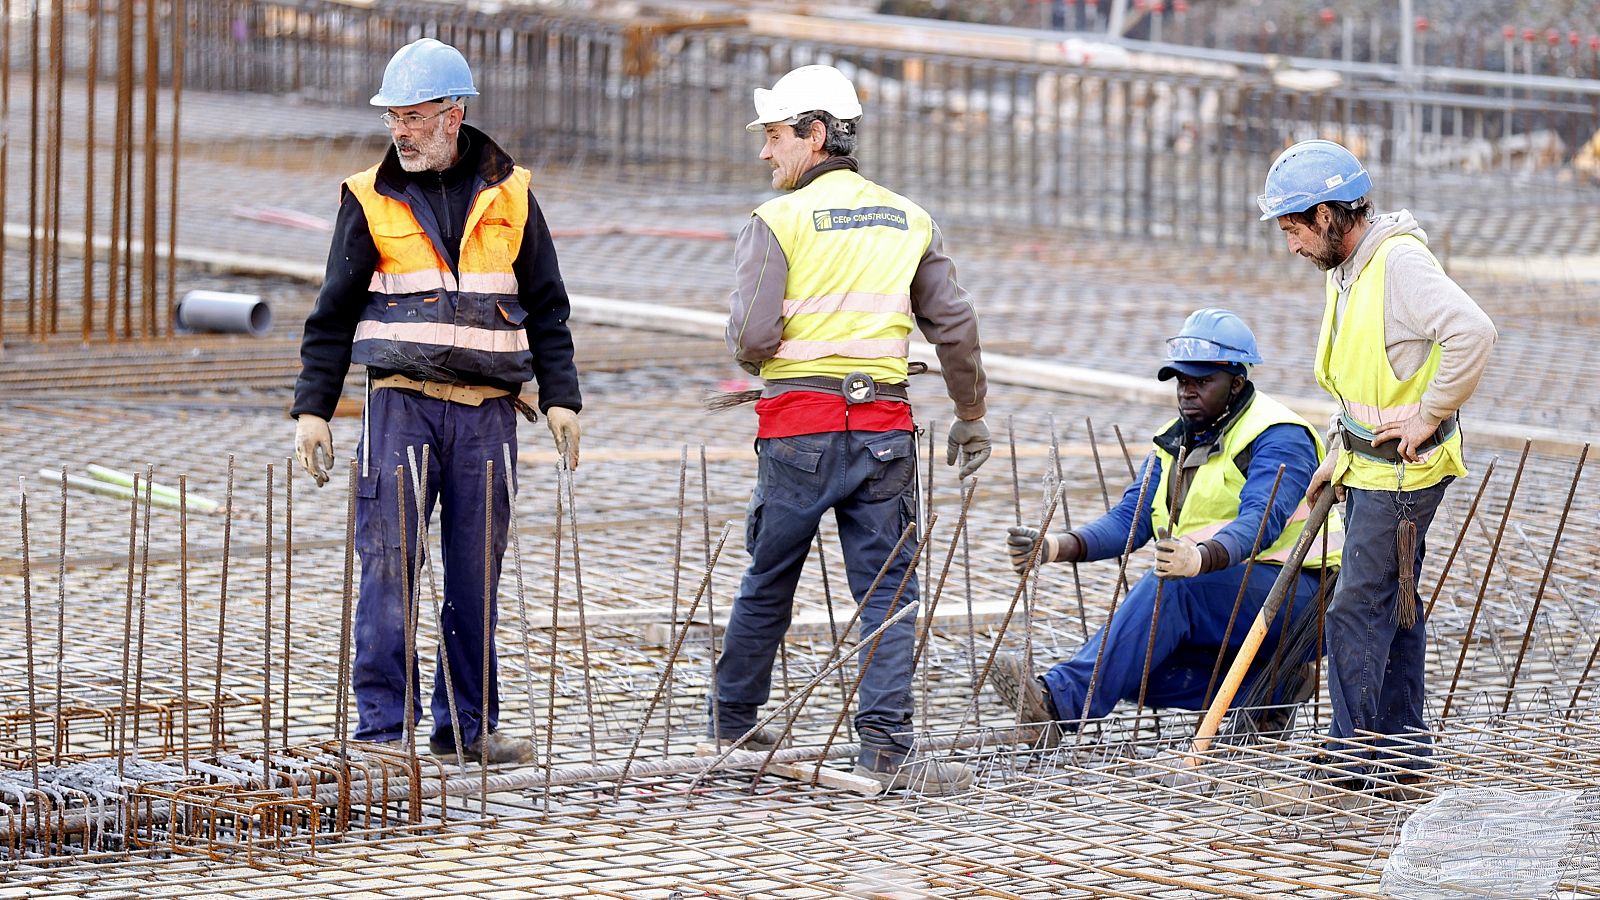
(858, 387)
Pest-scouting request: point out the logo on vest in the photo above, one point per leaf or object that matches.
(865, 217)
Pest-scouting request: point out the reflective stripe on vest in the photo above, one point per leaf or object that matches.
(1353, 365)
(422, 317)
(1212, 501)
(853, 248)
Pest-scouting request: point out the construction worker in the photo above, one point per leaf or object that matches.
(831, 276)
(442, 281)
(1232, 440)
(1401, 349)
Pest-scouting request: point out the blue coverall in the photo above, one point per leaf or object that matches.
(1194, 611)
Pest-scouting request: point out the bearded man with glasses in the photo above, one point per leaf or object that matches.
(443, 282)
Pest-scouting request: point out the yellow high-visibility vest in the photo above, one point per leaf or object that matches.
(423, 318)
(1353, 366)
(853, 248)
(1212, 501)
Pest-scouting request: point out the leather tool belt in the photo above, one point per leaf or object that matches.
(465, 394)
(1358, 440)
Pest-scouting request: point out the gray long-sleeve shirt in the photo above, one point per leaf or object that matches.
(1422, 307)
(943, 310)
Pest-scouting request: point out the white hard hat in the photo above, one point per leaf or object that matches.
(806, 89)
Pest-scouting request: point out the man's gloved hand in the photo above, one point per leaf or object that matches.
(564, 428)
(970, 440)
(313, 446)
(1321, 477)
(1019, 543)
(1177, 557)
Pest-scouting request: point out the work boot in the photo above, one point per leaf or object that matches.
(764, 740)
(1275, 720)
(502, 749)
(1318, 791)
(1019, 690)
(931, 777)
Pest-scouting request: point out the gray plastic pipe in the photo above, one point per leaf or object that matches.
(224, 312)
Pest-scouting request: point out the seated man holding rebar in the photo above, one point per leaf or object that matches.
(1222, 529)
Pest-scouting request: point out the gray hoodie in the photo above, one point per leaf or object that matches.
(1422, 307)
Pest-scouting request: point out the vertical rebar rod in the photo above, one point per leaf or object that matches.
(179, 29)
(90, 200)
(555, 624)
(1483, 587)
(58, 79)
(1175, 487)
(409, 639)
(27, 636)
(121, 195)
(5, 156)
(522, 595)
(1544, 579)
(127, 628)
(872, 648)
(672, 658)
(1127, 458)
(487, 698)
(341, 702)
(33, 172)
(711, 596)
(677, 586)
(1118, 590)
(1461, 534)
(266, 640)
(288, 592)
(152, 153)
(61, 626)
(419, 493)
(944, 574)
(341, 708)
(217, 735)
(577, 595)
(183, 615)
(144, 596)
(827, 600)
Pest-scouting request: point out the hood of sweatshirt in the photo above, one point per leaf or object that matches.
(1381, 228)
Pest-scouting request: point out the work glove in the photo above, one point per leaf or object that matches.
(313, 446)
(1321, 477)
(1019, 543)
(1177, 557)
(564, 428)
(970, 440)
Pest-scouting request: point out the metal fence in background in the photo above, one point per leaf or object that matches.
(1124, 152)
(1113, 151)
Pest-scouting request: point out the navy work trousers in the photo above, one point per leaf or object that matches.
(1375, 667)
(1189, 634)
(867, 479)
(461, 439)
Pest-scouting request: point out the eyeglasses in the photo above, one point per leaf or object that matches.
(411, 120)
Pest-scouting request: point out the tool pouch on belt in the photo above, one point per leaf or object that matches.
(1358, 439)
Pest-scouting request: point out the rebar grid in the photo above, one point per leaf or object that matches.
(1093, 818)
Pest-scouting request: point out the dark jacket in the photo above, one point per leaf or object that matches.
(330, 329)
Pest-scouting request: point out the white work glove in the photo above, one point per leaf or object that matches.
(1019, 543)
(313, 446)
(1321, 477)
(970, 440)
(564, 428)
(1177, 557)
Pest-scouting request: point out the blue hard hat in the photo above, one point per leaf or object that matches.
(1309, 173)
(1212, 340)
(424, 70)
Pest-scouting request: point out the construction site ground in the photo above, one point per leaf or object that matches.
(593, 599)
